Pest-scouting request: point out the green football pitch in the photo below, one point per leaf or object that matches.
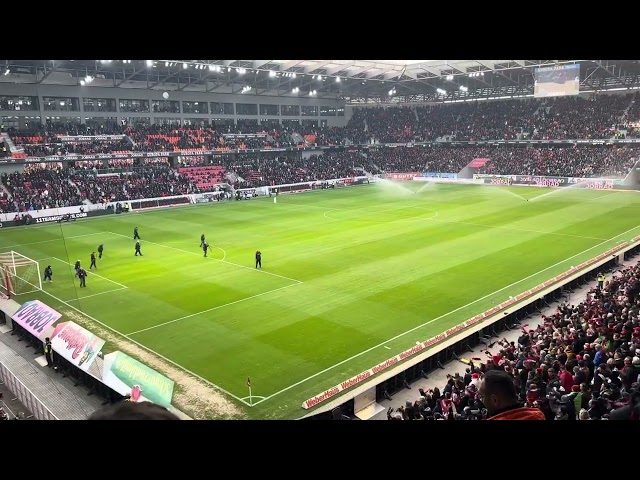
(350, 276)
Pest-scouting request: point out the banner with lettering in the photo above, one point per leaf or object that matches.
(128, 376)
(76, 344)
(542, 181)
(36, 317)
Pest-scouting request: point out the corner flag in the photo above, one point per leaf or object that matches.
(249, 382)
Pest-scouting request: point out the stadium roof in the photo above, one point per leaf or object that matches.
(356, 81)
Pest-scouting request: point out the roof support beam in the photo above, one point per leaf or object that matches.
(290, 64)
(165, 79)
(128, 77)
(339, 68)
(47, 73)
(610, 69)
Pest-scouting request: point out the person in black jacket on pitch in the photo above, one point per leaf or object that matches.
(82, 275)
(100, 249)
(93, 261)
(258, 259)
(47, 274)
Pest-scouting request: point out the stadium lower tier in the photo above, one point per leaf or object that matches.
(49, 185)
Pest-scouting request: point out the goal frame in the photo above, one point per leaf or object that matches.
(11, 278)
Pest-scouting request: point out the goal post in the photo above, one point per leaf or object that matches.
(19, 274)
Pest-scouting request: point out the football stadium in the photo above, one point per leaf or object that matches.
(320, 239)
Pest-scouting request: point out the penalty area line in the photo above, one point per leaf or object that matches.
(61, 239)
(92, 273)
(96, 294)
(212, 258)
(177, 365)
(211, 309)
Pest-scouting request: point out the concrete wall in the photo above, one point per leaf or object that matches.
(79, 92)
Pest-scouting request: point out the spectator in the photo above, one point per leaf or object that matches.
(498, 395)
(127, 410)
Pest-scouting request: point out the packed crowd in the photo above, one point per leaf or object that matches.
(386, 125)
(146, 182)
(576, 117)
(581, 363)
(259, 171)
(496, 120)
(596, 117)
(632, 118)
(38, 189)
(561, 162)
(78, 148)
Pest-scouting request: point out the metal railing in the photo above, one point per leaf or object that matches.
(26, 396)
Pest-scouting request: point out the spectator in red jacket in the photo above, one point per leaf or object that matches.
(566, 379)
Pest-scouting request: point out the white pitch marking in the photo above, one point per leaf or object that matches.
(438, 318)
(54, 240)
(96, 294)
(147, 348)
(212, 258)
(92, 273)
(212, 309)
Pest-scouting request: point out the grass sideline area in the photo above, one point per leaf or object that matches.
(350, 276)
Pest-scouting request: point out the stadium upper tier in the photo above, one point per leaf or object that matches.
(597, 117)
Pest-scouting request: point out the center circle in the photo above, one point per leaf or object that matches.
(370, 215)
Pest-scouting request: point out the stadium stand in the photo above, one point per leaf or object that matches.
(581, 362)
(596, 117)
(259, 170)
(203, 177)
(37, 189)
(144, 182)
(49, 187)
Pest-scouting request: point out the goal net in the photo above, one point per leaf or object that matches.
(18, 274)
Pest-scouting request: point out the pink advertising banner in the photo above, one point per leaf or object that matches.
(36, 318)
(75, 344)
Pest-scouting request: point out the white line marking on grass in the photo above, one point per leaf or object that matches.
(146, 348)
(439, 318)
(388, 348)
(92, 273)
(252, 396)
(211, 309)
(601, 196)
(212, 258)
(54, 240)
(224, 252)
(414, 219)
(96, 294)
(397, 218)
(518, 229)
